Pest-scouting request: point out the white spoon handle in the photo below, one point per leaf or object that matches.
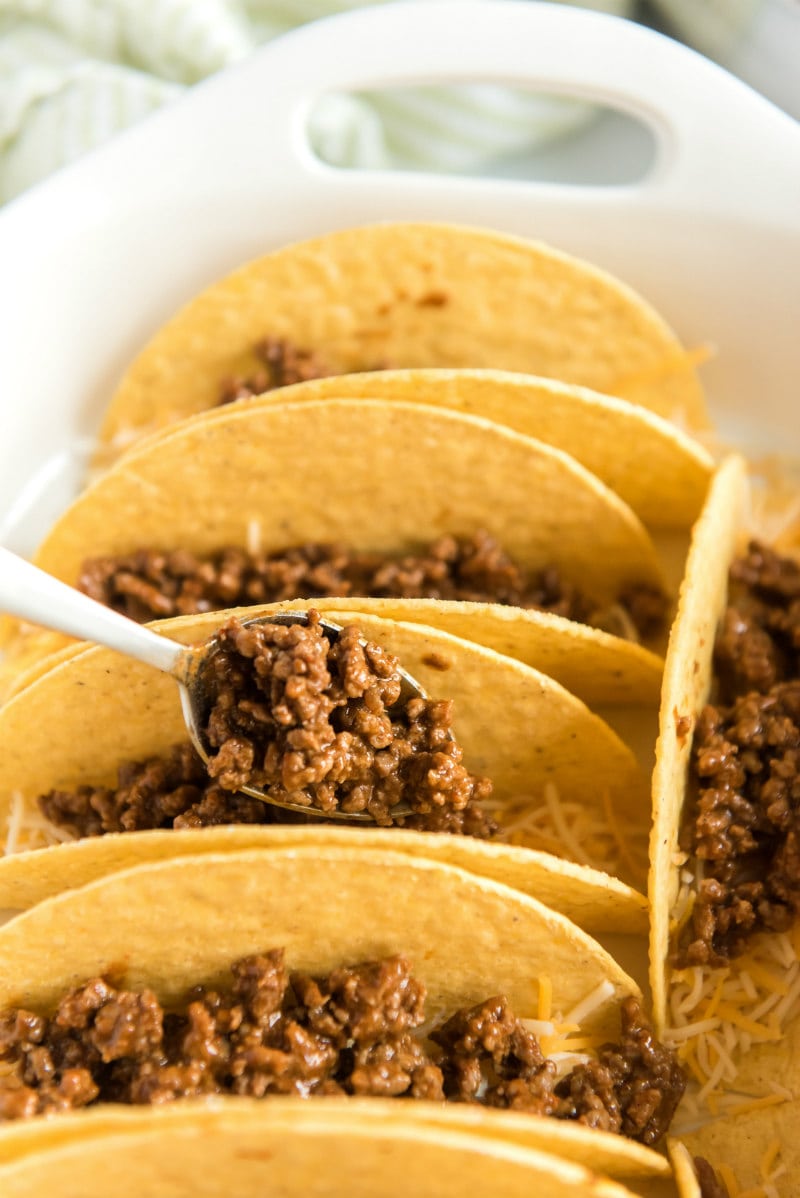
(31, 594)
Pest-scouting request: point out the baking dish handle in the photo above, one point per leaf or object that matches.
(719, 142)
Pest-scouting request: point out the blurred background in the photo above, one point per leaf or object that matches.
(74, 72)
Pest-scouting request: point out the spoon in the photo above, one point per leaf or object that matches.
(35, 596)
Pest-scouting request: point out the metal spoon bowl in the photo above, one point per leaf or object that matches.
(32, 595)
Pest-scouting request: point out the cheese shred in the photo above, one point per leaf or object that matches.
(717, 1015)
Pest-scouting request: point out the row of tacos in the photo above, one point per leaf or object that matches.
(406, 297)
(431, 522)
(493, 531)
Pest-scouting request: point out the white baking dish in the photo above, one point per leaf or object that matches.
(94, 259)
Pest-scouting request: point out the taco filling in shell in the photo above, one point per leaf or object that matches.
(359, 1031)
(278, 363)
(405, 294)
(318, 723)
(153, 584)
(735, 934)
(745, 824)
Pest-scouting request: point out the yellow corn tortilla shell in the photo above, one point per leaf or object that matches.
(412, 295)
(687, 679)
(601, 669)
(659, 471)
(97, 709)
(593, 900)
(597, 1151)
(683, 1170)
(283, 1148)
(171, 925)
(375, 476)
(31, 652)
(740, 1142)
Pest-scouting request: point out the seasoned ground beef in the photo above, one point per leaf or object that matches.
(351, 1032)
(745, 823)
(160, 792)
(149, 585)
(758, 643)
(324, 725)
(711, 1185)
(633, 1087)
(279, 365)
(490, 1057)
(344, 740)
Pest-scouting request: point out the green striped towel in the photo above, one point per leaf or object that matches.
(73, 72)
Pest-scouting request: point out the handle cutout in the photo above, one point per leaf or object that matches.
(481, 129)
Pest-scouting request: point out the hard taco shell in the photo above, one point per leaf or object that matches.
(372, 475)
(601, 669)
(174, 924)
(687, 679)
(411, 295)
(290, 1150)
(94, 710)
(659, 471)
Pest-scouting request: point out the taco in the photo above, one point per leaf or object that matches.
(661, 472)
(336, 498)
(404, 295)
(308, 972)
(725, 874)
(114, 759)
(369, 474)
(596, 666)
(290, 1150)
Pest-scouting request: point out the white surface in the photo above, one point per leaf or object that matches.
(93, 260)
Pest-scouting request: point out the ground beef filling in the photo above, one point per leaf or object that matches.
(758, 644)
(150, 585)
(173, 791)
(279, 364)
(745, 826)
(711, 1184)
(351, 1032)
(325, 725)
(317, 724)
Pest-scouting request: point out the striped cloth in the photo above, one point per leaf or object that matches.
(73, 72)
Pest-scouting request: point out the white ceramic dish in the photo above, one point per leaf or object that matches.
(95, 258)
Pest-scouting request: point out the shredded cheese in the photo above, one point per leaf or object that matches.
(253, 536)
(539, 1027)
(767, 979)
(27, 829)
(756, 1104)
(769, 1160)
(717, 1015)
(582, 1010)
(757, 1030)
(559, 1035)
(569, 830)
(729, 1178)
(551, 1045)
